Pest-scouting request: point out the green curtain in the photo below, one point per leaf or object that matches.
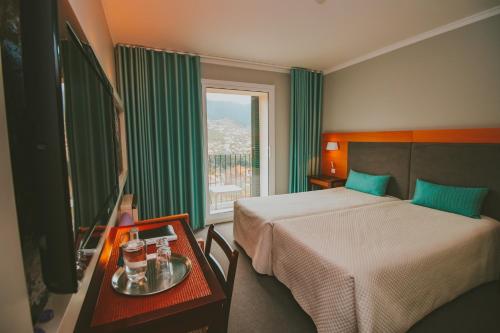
(255, 133)
(162, 96)
(91, 146)
(306, 106)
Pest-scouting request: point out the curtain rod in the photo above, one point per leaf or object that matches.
(157, 49)
(214, 57)
(203, 56)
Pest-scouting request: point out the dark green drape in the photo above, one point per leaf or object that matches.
(162, 96)
(91, 146)
(255, 123)
(306, 105)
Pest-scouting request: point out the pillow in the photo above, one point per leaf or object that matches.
(363, 182)
(466, 201)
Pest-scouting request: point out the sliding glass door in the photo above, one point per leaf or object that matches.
(237, 148)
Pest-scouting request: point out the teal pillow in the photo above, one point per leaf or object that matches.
(465, 201)
(363, 182)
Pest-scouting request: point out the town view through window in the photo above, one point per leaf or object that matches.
(231, 168)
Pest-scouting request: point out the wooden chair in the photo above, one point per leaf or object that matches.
(227, 283)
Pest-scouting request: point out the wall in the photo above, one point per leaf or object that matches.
(90, 14)
(14, 307)
(281, 81)
(449, 81)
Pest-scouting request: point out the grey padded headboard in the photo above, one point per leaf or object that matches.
(460, 164)
(383, 158)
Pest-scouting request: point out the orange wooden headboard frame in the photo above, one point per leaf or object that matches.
(339, 157)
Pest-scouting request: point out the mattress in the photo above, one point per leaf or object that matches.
(382, 268)
(254, 217)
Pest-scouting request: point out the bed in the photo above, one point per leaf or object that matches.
(388, 267)
(254, 217)
(382, 268)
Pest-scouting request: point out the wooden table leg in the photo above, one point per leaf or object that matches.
(219, 322)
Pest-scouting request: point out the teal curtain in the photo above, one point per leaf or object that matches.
(93, 168)
(255, 133)
(306, 106)
(162, 96)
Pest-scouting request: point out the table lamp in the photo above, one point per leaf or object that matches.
(332, 146)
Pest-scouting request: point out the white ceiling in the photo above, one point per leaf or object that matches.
(300, 33)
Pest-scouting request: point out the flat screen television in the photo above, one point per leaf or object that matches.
(62, 125)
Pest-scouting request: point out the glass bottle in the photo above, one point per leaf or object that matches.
(134, 233)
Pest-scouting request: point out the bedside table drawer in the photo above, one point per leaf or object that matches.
(320, 182)
(324, 182)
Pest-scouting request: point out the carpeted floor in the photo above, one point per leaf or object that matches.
(260, 303)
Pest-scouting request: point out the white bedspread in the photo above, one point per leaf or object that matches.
(254, 217)
(382, 268)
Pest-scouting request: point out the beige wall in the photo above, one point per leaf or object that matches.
(14, 307)
(90, 14)
(449, 81)
(281, 81)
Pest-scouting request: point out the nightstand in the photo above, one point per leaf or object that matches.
(324, 182)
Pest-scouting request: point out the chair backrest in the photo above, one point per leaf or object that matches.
(227, 283)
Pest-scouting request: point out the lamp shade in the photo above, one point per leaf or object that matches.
(332, 146)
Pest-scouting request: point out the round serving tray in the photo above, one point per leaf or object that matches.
(156, 281)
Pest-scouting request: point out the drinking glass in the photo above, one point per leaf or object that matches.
(163, 255)
(135, 259)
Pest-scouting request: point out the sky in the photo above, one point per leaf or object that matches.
(240, 99)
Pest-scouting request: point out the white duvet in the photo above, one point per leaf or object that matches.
(384, 267)
(254, 217)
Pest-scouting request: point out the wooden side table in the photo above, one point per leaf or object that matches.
(195, 303)
(324, 182)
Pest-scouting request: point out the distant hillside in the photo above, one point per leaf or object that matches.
(238, 113)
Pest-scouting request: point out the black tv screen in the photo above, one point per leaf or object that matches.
(62, 132)
(90, 120)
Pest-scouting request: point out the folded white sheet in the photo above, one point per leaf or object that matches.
(254, 217)
(384, 267)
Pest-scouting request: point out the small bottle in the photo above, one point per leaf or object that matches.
(124, 238)
(134, 233)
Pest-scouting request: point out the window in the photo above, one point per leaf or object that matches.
(238, 144)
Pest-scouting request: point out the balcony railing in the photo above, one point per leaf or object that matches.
(230, 177)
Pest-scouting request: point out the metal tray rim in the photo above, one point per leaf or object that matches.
(175, 256)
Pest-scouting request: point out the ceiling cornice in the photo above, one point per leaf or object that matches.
(420, 37)
(244, 64)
